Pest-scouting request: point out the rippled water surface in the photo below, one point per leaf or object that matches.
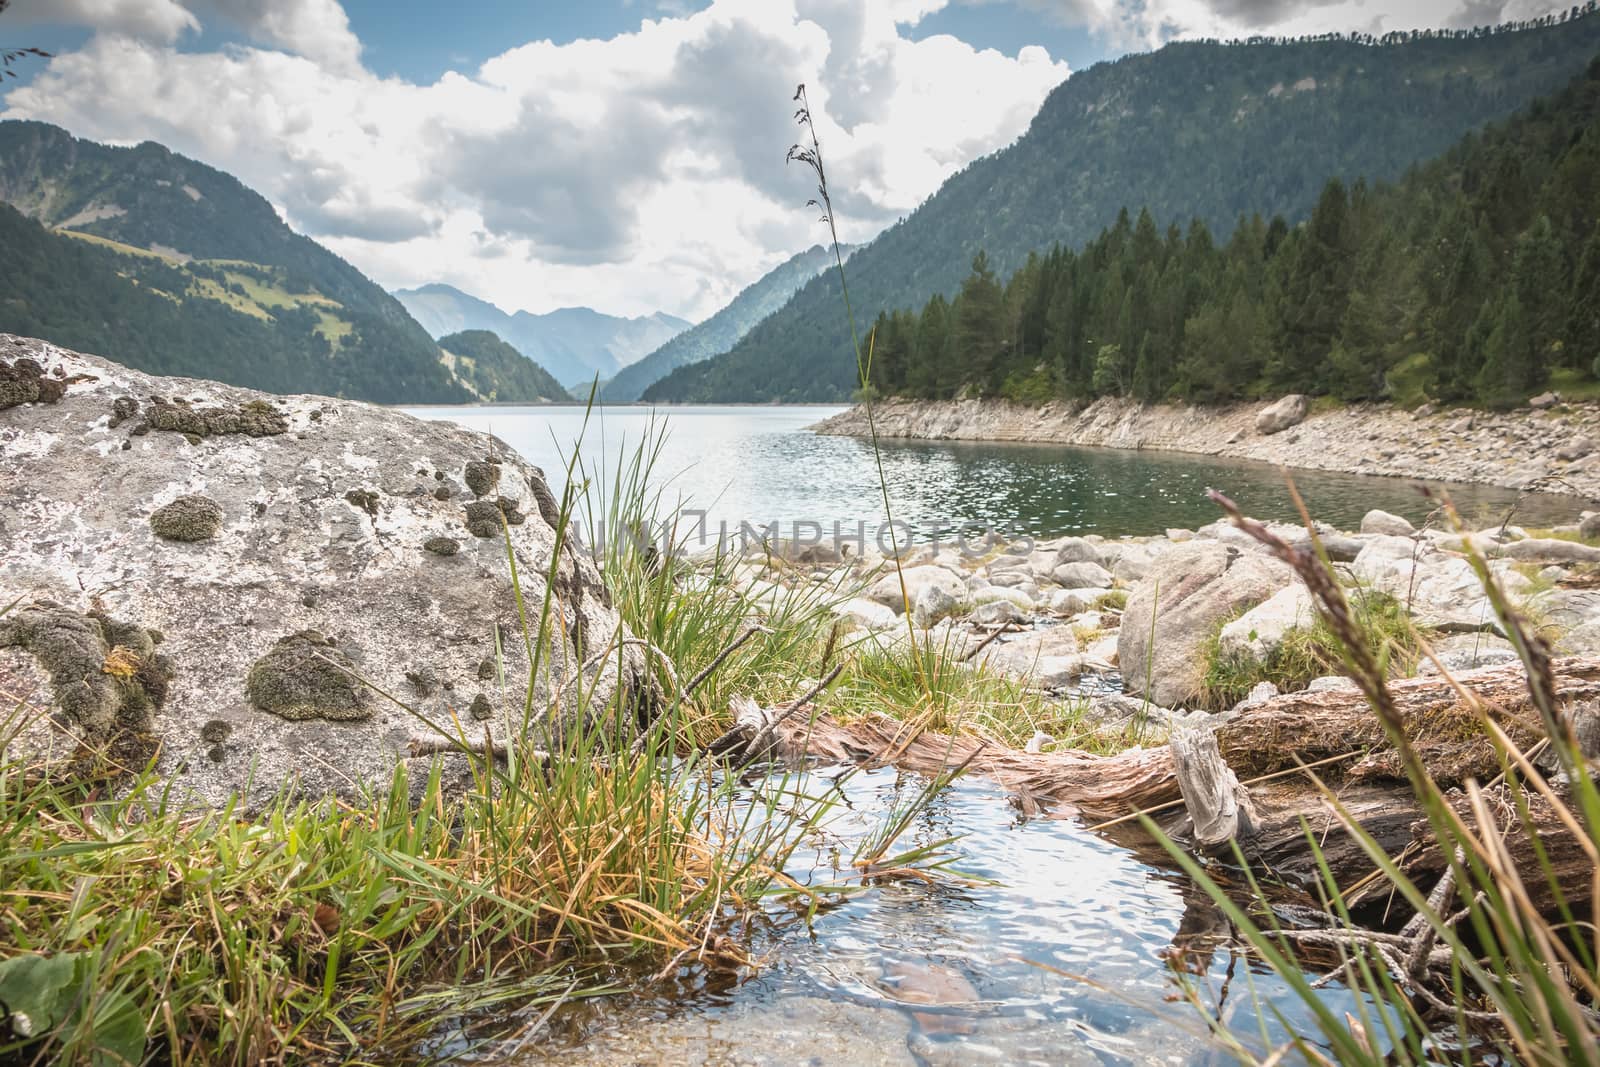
(1062, 959)
(762, 465)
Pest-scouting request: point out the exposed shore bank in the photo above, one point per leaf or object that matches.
(1554, 448)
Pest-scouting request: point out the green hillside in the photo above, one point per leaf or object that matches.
(1476, 278)
(168, 265)
(1196, 130)
(495, 371)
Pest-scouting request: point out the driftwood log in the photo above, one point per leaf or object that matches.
(1250, 779)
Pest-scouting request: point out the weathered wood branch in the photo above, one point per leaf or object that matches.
(1333, 727)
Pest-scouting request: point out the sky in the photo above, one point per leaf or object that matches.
(626, 155)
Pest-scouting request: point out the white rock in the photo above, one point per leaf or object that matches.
(886, 590)
(866, 614)
(1258, 632)
(1383, 522)
(1015, 597)
(1082, 576)
(1283, 413)
(932, 604)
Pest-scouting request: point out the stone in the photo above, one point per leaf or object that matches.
(1544, 400)
(1178, 605)
(1075, 601)
(1082, 576)
(1461, 425)
(1262, 691)
(1329, 682)
(234, 615)
(933, 603)
(1387, 524)
(1015, 597)
(886, 590)
(1077, 550)
(1259, 632)
(1589, 527)
(1577, 448)
(995, 613)
(1133, 562)
(1283, 413)
(1465, 652)
(866, 614)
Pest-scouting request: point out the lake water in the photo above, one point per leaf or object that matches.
(762, 465)
(1065, 951)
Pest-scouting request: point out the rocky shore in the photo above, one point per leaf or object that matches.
(1549, 445)
(1127, 627)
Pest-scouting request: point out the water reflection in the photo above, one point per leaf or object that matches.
(761, 465)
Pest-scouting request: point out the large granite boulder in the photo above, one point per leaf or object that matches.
(1176, 607)
(1283, 413)
(264, 592)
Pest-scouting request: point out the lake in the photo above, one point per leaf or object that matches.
(1060, 949)
(762, 465)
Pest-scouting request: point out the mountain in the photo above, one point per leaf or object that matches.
(1475, 278)
(173, 267)
(1195, 130)
(495, 371)
(574, 344)
(724, 329)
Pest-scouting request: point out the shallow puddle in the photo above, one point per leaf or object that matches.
(1062, 960)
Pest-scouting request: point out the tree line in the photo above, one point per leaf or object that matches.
(1476, 278)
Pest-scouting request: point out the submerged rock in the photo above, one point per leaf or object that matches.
(271, 628)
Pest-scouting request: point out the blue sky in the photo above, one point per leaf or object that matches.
(627, 155)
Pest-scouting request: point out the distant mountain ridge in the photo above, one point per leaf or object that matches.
(1196, 129)
(573, 344)
(173, 267)
(723, 330)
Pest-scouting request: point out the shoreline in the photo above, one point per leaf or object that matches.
(1552, 450)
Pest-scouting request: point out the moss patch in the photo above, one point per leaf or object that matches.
(24, 382)
(106, 676)
(442, 546)
(481, 708)
(188, 518)
(365, 499)
(481, 477)
(483, 518)
(307, 676)
(123, 408)
(256, 418)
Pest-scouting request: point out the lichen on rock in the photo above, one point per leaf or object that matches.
(365, 499)
(188, 518)
(106, 676)
(307, 676)
(483, 518)
(254, 418)
(24, 382)
(481, 476)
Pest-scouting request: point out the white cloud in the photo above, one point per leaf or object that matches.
(645, 171)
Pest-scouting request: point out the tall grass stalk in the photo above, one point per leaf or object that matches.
(812, 157)
(1496, 966)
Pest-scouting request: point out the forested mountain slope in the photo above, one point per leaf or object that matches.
(1196, 129)
(724, 329)
(495, 371)
(171, 266)
(1475, 278)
